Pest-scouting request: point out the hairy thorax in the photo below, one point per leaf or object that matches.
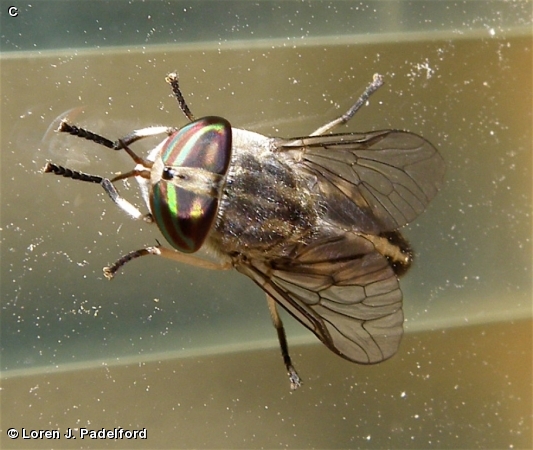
(266, 207)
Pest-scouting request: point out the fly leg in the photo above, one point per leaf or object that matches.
(106, 184)
(376, 83)
(159, 250)
(142, 169)
(295, 380)
(172, 79)
(119, 144)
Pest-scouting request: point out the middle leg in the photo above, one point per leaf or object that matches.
(376, 83)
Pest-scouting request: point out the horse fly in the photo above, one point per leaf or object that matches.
(312, 220)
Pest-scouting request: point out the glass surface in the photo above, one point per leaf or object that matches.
(191, 354)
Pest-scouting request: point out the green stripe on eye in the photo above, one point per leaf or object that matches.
(172, 202)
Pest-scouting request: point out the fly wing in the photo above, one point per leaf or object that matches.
(343, 290)
(391, 174)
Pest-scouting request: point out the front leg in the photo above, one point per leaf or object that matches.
(119, 144)
(106, 184)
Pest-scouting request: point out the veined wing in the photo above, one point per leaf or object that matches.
(343, 290)
(392, 174)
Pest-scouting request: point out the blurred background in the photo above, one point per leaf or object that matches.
(191, 355)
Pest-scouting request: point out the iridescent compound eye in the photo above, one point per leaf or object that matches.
(185, 212)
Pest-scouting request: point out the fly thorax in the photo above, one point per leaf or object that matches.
(265, 206)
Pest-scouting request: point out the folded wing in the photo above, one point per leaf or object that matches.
(391, 174)
(343, 290)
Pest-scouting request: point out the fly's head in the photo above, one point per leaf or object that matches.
(186, 179)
